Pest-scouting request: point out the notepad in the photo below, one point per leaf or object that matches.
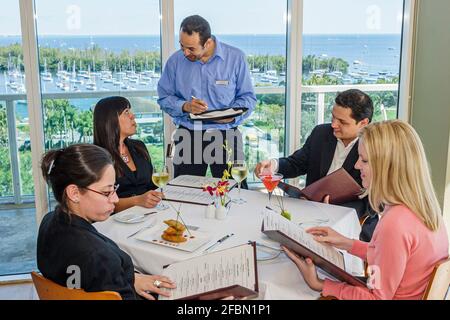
(220, 114)
(230, 272)
(295, 238)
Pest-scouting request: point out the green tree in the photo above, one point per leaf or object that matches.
(5, 172)
(84, 126)
(25, 173)
(3, 127)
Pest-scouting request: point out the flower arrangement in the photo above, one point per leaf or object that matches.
(221, 188)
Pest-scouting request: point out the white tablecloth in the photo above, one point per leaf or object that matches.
(278, 278)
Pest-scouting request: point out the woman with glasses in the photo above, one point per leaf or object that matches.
(114, 124)
(70, 251)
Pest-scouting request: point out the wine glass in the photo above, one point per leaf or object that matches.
(160, 178)
(239, 173)
(271, 181)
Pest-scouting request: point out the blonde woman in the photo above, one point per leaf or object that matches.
(410, 238)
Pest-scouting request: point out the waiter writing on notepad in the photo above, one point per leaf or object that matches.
(205, 75)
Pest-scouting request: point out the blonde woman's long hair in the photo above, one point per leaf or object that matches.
(400, 172)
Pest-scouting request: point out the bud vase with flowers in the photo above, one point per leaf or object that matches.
(221, 189)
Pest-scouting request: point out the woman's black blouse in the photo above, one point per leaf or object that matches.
(134, 183)
(67, 243)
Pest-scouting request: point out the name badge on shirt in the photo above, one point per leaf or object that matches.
(222, 82)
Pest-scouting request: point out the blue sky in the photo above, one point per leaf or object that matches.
(138, 17)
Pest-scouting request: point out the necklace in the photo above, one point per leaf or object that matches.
(124, 157)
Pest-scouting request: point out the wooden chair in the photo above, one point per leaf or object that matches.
(49, 290)
(439, 284)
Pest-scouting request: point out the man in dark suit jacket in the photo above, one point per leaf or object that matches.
(330, 147)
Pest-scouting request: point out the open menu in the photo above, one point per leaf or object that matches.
(187, 195)
(197, 182)
(295, 238)
(230, 272)
(220, 114)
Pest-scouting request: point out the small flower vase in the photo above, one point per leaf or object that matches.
(221, 210)
(221, 213)
(210, 212)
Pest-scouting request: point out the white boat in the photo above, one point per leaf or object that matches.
(318, 72)
(46, 76)
(91, 86)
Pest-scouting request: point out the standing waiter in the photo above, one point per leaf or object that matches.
(205, 74)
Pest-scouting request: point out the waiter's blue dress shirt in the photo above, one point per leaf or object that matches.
(223, 81)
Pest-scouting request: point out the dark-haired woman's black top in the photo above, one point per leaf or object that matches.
(137, 182)
(63, 242)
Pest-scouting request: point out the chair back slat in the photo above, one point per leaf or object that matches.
(49, 290)
(440, 281)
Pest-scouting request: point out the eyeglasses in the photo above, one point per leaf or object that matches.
(107, 194)
(191, 50)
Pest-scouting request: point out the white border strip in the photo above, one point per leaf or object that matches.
(31, 62)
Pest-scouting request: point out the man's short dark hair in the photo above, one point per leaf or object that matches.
(360, 103)
(196, 24)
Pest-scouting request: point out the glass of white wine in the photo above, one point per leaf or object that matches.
(239, 172)
(160, 178)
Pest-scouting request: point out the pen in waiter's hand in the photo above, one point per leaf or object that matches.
(221, 240)
(199, 101)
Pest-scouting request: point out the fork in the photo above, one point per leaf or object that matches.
(140, 217)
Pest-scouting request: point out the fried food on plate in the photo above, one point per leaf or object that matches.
(173, 238)
(175, 224)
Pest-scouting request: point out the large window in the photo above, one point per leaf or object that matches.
(92, 49)
(353, 44)
(17, 219)
(257, 27)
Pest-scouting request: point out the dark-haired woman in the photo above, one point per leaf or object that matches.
(114, 124)
(70, 251)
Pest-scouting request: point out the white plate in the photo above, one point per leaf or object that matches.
(154, 236)
(129, 217)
